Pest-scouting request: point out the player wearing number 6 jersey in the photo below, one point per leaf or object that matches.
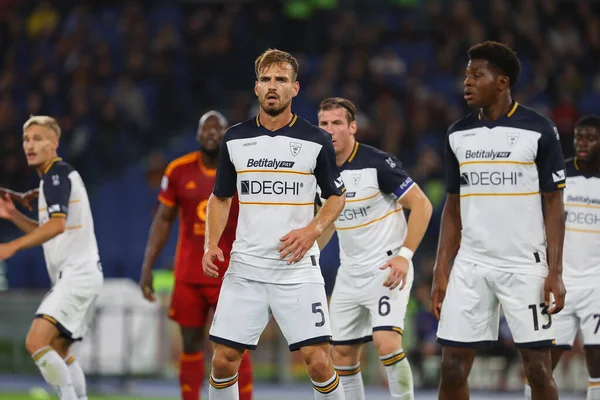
(373, 283)
(66, 231)
(582, 253)
(185, 189)
(505, 173)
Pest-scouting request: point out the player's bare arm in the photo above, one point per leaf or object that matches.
(23, 199)
(54, 227)
(327, 233)
(450, 233)
(217, 212)
(9, 212)
(555, 235)
(159, 234)
(420, 214)
(296, 243)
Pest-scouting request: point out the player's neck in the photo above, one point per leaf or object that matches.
(341, 158)
(590, 166)
(276, 122)
(41, 169)
(498, 109)
(207, 160)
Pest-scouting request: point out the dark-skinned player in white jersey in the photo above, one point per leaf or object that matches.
(504, 165)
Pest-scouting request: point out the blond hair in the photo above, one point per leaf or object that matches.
(43, 120)
(274, 56)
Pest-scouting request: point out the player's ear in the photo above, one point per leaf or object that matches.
(296, 88)
(504, 82)
(353, 127)
(256, 88)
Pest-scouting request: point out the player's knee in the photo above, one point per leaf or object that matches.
(318, 363)
(538, 372)
(192, 340)
(453, 370)
(225, 361)
(34, 342)
(345, 355)
(387, 342)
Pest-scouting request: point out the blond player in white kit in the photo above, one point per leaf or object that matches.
(66, 232)
(373, 283)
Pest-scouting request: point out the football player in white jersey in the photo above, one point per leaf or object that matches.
(274, 163)
(581, 253)
(375, 277)
(504, 222)
(66, 232)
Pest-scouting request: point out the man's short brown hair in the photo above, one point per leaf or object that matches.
(332, 103)
(274, 56)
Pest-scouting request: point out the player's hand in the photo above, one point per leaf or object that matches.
(146, 283)
(399, 270)
(28, 197)
(7, 250)
(208, 265)
(438, 293)
(554, 284)
(7, 207)
(297, 243)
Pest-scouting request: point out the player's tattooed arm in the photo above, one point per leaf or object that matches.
(449, 241)
(554, 221)
(159, 234)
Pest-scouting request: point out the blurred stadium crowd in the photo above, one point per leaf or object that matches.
(125, 77)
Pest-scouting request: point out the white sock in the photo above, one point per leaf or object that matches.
(223, 389)
(332, 389)
(55, 372)
(400, 379)
(352, 381)
(77, 377)
(527, 391)
(593, 391)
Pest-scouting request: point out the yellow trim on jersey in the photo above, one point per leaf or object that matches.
(561, 185)
(276, 171)
(72, 228)
(370, 222)
(582, 230)
(185, 159)
(497, 162)
(353, 154)
(511, 112)
(329, 388)
(70, 360)
(55, 159)
(264, 203)
(293, 120)
(576, 163)
(257, 122)
(500, 194)
(363, 199)
(581, 205)
(59, 215)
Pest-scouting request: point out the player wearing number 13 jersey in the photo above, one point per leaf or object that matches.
(186, 186)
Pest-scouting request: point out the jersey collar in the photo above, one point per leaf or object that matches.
(203, 168)
(54, 160)
(282, 129)
(508, 115)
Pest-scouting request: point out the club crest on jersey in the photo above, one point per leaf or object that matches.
(512, 137)
(295, 148)
(55, 180)
(355, 179)
(390, 162)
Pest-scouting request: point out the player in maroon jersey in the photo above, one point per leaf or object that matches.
(186, 186)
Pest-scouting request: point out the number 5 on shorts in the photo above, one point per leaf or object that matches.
(317, 310)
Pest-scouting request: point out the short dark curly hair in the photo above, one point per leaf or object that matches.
(500, 56)
(593, 121)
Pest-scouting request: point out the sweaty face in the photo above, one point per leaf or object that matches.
(275, 88)
(481, 84)
(40, 144)
(586, 143)
(210, 133)
(335, 122)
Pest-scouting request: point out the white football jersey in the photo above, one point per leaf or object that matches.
(63, 195)
(372, 226)
(275, 175)
(581, 254)
(499, 169)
